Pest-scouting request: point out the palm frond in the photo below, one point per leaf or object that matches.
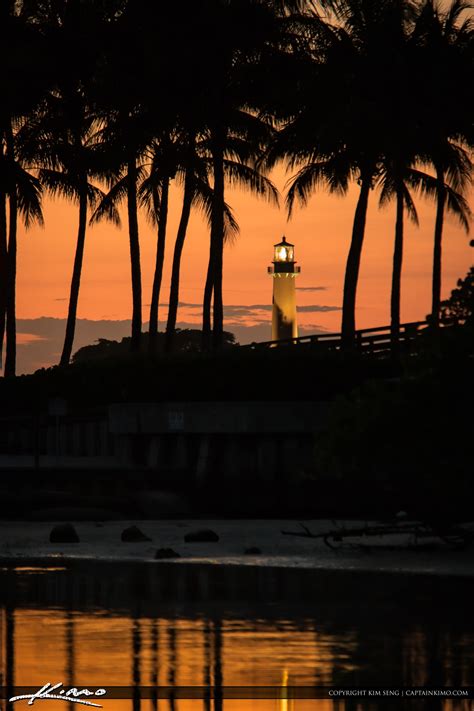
(231, 226)
(458, 206)
(107, 208)
(29, 195)
(59, 184)
(149, 198)
(244, 176)
(333, 174)
(410, 206)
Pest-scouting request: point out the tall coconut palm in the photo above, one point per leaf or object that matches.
(445, 40)
(3, 248)
(65, 141)
(238, 39)
(197, 193)
(154, 196)
(236, 168)
(123, 185)
(25, 193)
(21, 88)
(396, 179)
(127, 107)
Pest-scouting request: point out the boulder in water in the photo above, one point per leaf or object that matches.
(63, 533)
(163, 553)
(132, 534)
(203, 536)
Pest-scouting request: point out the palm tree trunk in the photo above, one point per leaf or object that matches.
(397, 270)
(206, 307)
(76, 279)
(3, 268)
(10, 306)
(160, 258)
(10, 355)
(178, 250)
(438, 238)
(217, 236)
(353, 264)
(134, 254)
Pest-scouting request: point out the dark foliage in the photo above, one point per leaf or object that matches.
(187, 340)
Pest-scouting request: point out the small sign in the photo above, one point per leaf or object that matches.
(57, 406)
(176, 420)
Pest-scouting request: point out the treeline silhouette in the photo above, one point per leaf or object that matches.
(105, 102)
(187, 340)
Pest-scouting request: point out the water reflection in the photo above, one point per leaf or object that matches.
(215, 627)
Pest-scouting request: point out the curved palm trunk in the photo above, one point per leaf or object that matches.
(3, 268)
(217, 237)
(206, 307)
(353, 265)
(178, 250)
(76, 279)
(397, 270)
(438, 238)
(10, 355)
(134, 254)
(160, 258)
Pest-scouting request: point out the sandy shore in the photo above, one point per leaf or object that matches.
(22, 542)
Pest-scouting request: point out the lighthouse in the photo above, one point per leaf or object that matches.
(284, 271)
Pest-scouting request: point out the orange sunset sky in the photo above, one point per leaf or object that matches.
(321, 233)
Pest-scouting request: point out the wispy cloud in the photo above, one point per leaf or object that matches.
(249, 310)
(311, 288)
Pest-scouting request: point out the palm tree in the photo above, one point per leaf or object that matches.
(197, 192)
(235, 165)
(3, 249)
(154, 196)
(127, 108)
(22, 43)
(123, 184)
(66, 140)
(25, 192)
(396, 179)
(239, 39)
(445, 42)
(188, 198)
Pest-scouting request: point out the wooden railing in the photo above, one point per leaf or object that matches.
(367, 340)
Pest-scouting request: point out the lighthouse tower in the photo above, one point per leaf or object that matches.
(284, 271)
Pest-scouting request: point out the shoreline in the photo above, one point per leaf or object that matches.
(28, 546)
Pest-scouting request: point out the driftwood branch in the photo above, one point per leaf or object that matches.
(454, 536)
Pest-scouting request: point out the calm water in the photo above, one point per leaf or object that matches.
(179, 625)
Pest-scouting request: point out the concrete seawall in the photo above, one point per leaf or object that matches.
(191, 440)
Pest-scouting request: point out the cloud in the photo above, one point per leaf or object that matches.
(316, 309)
(255, 310)
(311, 288)
(250, 314)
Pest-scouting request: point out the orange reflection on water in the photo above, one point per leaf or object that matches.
(143, 627)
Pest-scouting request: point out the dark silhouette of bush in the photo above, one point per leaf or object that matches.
(408, 438)
(187, 340)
